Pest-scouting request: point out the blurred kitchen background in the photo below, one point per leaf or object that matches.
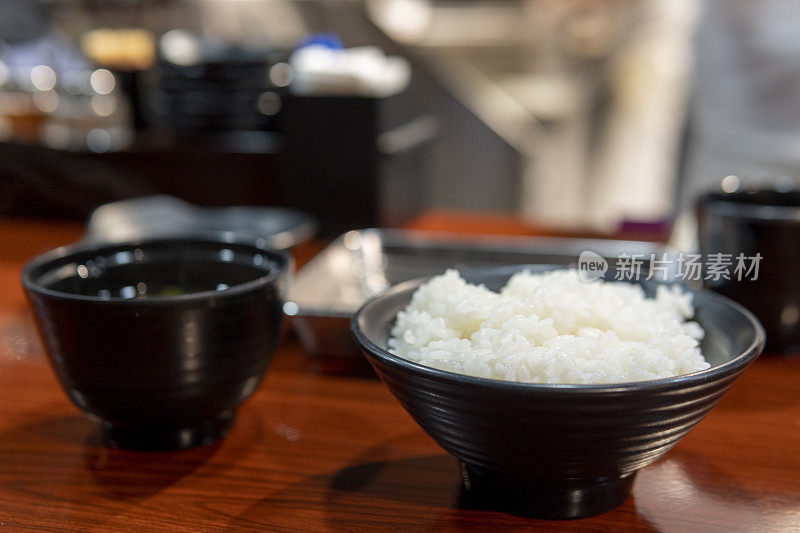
(577, 115)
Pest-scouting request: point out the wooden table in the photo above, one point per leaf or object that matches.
(313, 452)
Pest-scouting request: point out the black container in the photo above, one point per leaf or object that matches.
(163, 339)
(557, 450)
(758, 221)
(337, 168)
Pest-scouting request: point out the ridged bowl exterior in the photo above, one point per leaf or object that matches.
(559, 432)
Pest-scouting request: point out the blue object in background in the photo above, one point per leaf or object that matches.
(328, 40)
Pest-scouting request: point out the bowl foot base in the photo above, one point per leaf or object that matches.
(540, 498)
(169, 438)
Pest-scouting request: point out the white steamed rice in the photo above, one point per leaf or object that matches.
(550, 328)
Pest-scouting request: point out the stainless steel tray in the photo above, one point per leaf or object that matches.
(361, 264)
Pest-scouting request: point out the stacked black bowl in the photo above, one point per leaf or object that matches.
(216, 89)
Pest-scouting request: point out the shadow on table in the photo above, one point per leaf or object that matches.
(422, 492)
(133, 474)
(71, 452)
(416, 492)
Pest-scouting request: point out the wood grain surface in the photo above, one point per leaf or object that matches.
(315, 452)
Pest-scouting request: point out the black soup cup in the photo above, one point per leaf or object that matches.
(750, 221)
(556, 451)
(160, 340)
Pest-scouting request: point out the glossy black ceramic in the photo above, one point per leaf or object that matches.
(766, 222)
(557, 451)
(161, 340)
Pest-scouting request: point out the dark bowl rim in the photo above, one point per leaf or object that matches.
(698, 378)
(725, 204)
(222, 239)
